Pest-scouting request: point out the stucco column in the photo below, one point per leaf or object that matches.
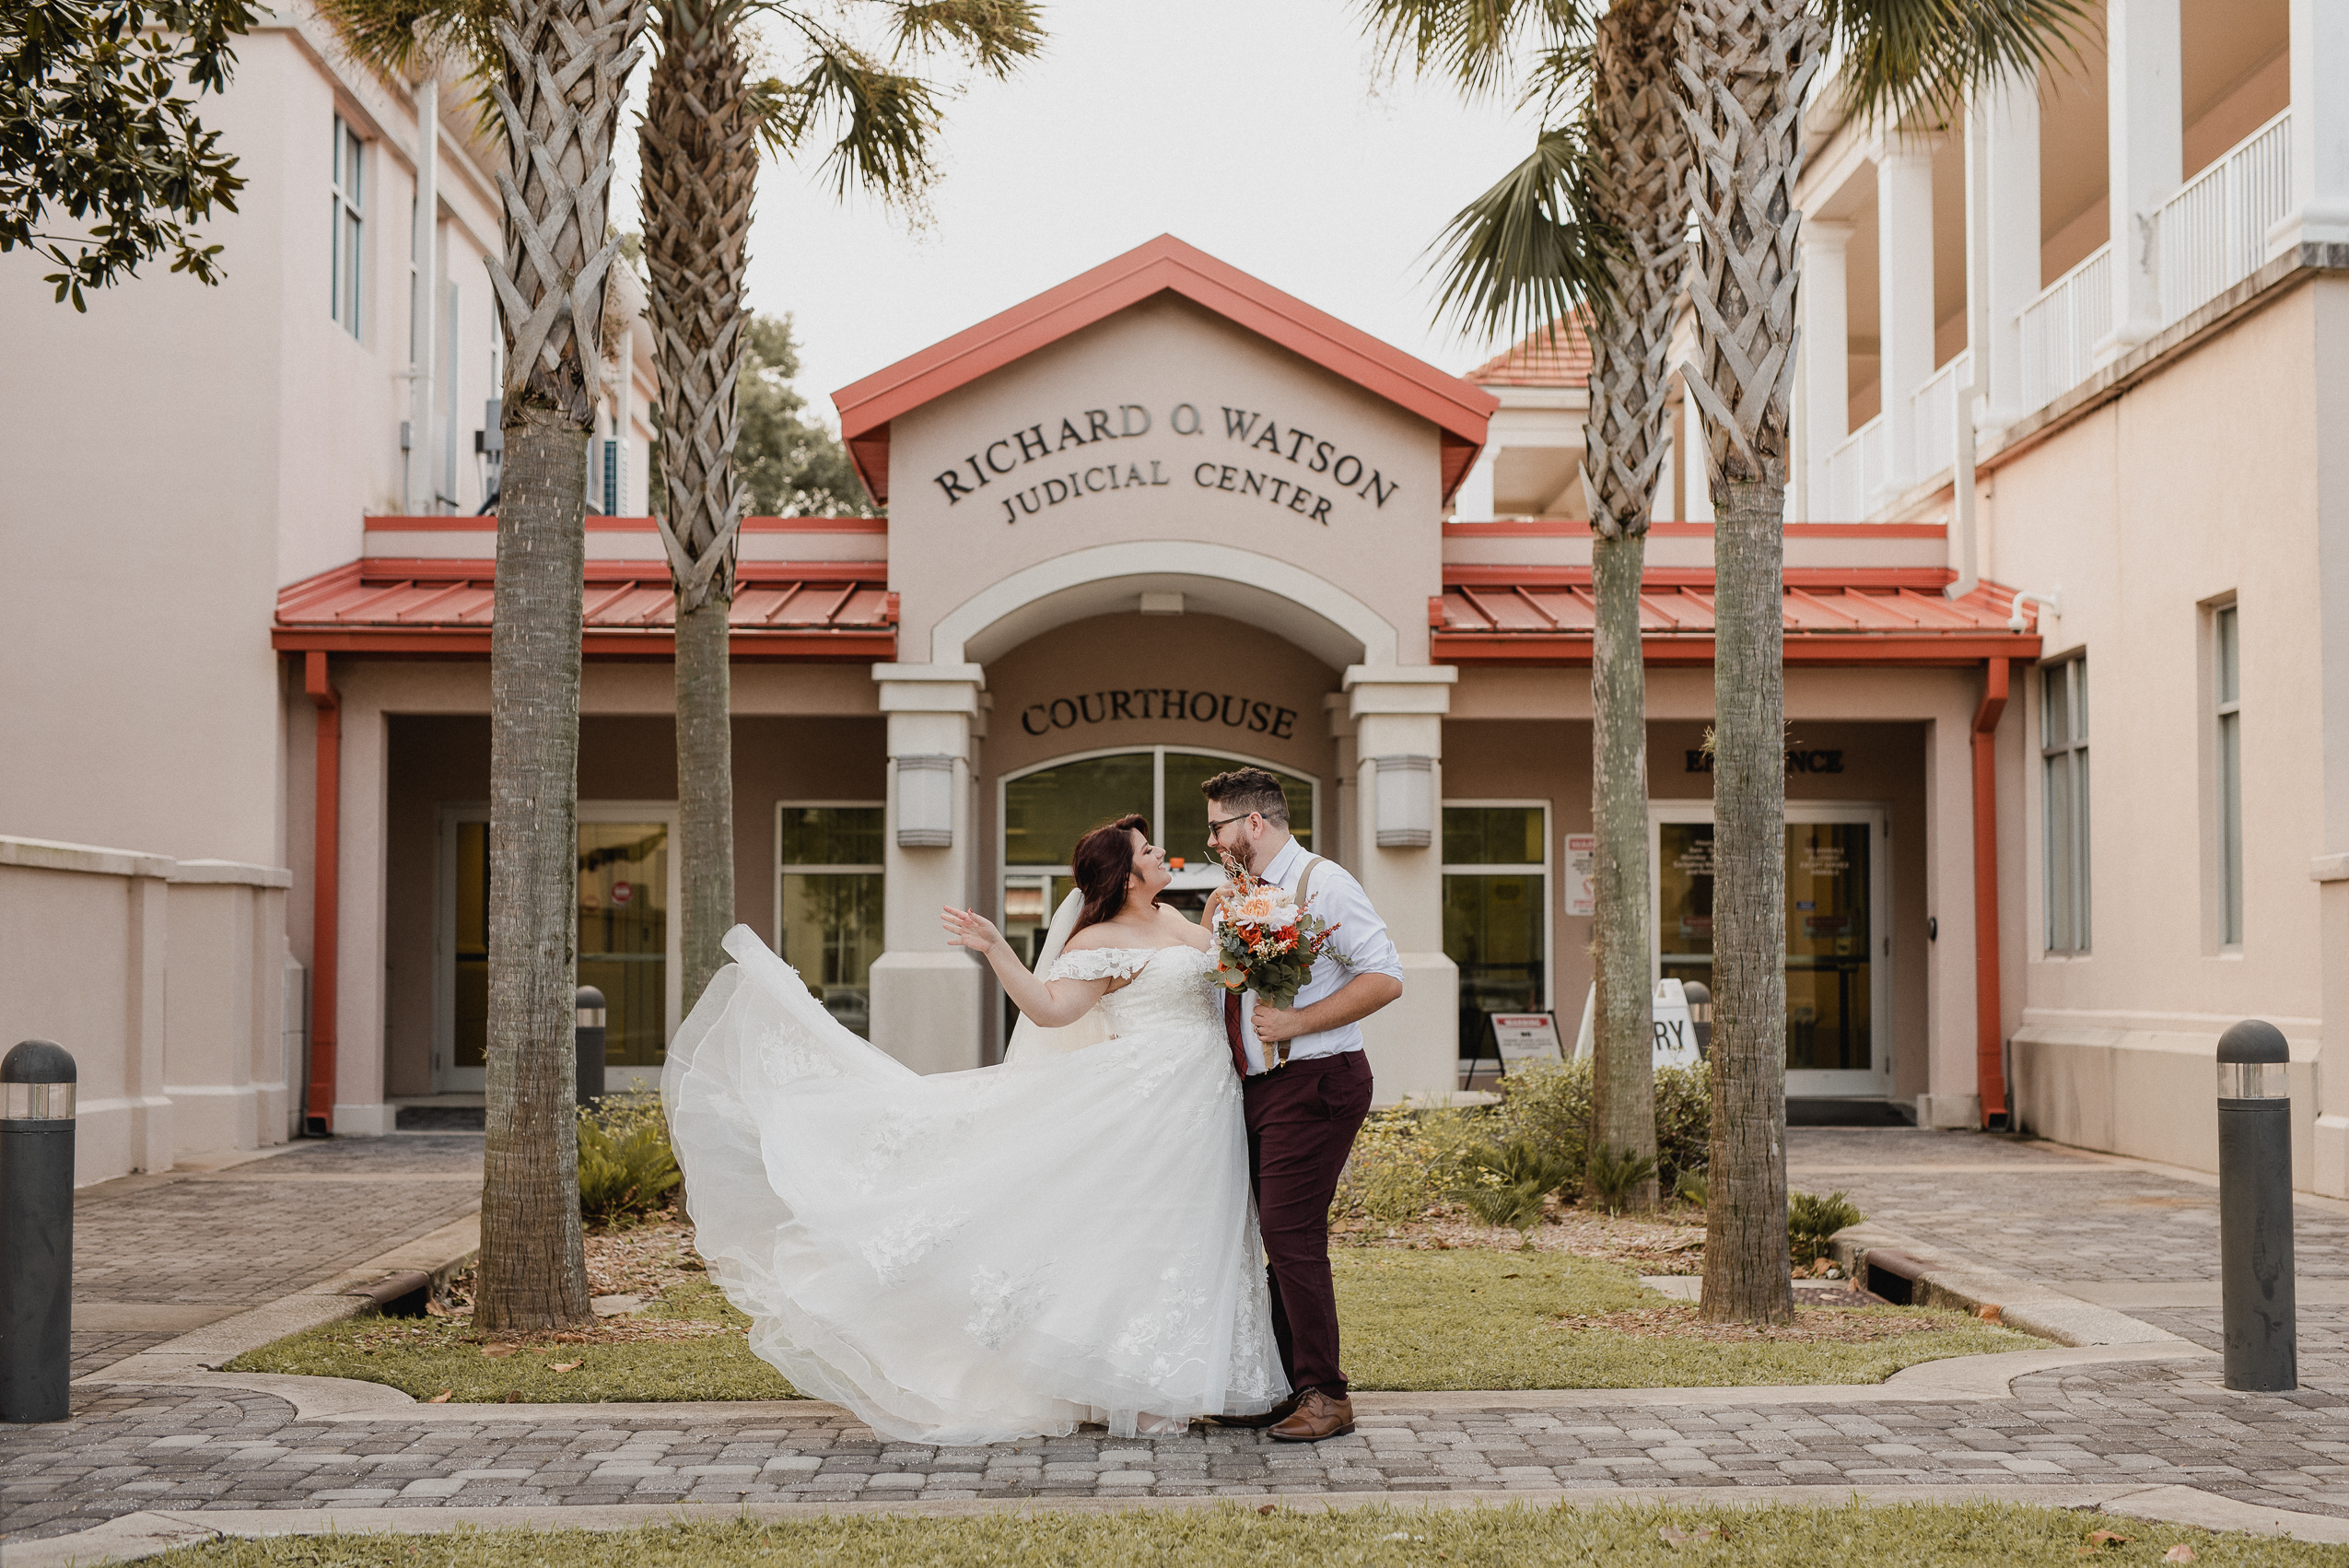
(1904, 297)
(2002, 250)
(1397, 712)
(362, 860)
(1825, 413)
(2142, 80)
(927, 997)
(1950, 1096)
(2330, 864)
(145, 1023)
(2320, 212)
(1472, 502)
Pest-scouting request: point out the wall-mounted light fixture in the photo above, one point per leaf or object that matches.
(926, 802)
(1406, 801)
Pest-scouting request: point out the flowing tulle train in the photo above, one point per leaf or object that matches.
(973, 1257)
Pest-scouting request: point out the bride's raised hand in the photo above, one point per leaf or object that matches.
(968, 927)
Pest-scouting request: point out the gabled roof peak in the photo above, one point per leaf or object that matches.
(1165, 264)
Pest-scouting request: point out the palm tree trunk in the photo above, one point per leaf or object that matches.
(1744, 66)
(533, 1273)
(1640, 164)
(705, 790)
(1623, 1077)
(558, 100)
(700, 165)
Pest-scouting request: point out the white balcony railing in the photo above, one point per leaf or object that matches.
(2213, 234)
(1933, 417)
(1854, 473)
(2062, 327)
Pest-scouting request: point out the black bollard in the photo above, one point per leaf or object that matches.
(36, 1233)
(1700, 1013)
(590, 1002)
(2255, 1209)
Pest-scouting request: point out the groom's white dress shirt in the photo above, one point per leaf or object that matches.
(1362, 936)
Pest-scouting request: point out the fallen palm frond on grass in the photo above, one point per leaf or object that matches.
(1916, 1535)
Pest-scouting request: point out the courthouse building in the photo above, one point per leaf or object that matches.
(1165, 519)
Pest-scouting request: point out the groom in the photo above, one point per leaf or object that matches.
(1307, 1089)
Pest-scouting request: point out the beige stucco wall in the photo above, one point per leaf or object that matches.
(1175, 367)
(2204, 480)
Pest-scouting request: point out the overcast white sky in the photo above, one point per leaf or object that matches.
(1251, 128)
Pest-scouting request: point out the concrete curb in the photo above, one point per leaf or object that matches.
(146, 1534)
(1944, 1279)
(1954, 1380)
(437, 1255)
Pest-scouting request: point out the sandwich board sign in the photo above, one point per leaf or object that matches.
(1524, 1036)
(1676, 1034)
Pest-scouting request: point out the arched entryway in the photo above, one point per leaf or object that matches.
(1042, 810)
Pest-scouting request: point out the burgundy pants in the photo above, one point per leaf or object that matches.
(1301, 1122)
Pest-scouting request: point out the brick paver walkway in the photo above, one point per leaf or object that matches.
(2037, 1213)
(244, 1236)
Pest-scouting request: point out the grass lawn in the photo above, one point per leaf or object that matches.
(1915, 1534)
(1460, 1318)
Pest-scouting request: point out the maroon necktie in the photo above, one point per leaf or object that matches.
(1232, 1028)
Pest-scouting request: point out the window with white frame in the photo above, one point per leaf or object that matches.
(2227, 690)
(1496, 910)
(349, 200)
(2063, 773)
(828, 901)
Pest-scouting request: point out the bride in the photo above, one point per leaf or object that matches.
(974, 1256)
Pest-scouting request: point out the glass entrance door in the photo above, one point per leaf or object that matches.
(1838, 952)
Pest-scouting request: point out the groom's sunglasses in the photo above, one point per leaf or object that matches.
(1214, 827)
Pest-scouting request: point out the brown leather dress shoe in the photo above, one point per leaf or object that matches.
(1279, 1412)
(1317, 1416)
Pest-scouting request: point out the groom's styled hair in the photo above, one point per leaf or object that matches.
(1246, 790)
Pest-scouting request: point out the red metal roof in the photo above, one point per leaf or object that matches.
(1834, 615)
(1555, 355)
(782, 610)
(1165, 264)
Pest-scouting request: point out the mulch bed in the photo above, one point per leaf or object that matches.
(651, 1259)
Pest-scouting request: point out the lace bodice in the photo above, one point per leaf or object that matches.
(1169, 985)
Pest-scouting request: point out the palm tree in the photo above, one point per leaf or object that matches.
(704, 123)
(552, 71)
(1616, 254)
(1527, 249)
(1746, 67)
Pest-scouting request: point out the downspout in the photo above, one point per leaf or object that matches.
(317, 1114)
(1990, 1068)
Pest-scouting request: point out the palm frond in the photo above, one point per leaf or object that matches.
(1531, 249)
(883, 120)
(1905, 57)
(1474, 42)
(993, 36)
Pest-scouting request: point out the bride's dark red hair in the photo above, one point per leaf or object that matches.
(1103, 861)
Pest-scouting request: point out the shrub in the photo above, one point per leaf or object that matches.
(1406, 1161)
(1615, 1172)
(1504, 1183)
(626, 1167)
(1549, 1103)
(1812, 1222)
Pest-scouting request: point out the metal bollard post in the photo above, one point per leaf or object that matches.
(36, 1231)
(590, 1002)
(2255, 1209)
(1699, 997)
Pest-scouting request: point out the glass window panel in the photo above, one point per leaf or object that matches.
(1044, 813)
(1493, 931)
(2083, 902)
(624, 935)
(1184, 830)
(832, 835)
(2230, 809)
(2055, 716)
(2059, 853)
(832, 932)
(1492, 836)
(1830, 947)
(2080, 699)
(2229, 686)
(471, 1041)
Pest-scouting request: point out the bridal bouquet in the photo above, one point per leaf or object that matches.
(1264, 943)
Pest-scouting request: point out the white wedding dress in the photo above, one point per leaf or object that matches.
(974, 1256)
